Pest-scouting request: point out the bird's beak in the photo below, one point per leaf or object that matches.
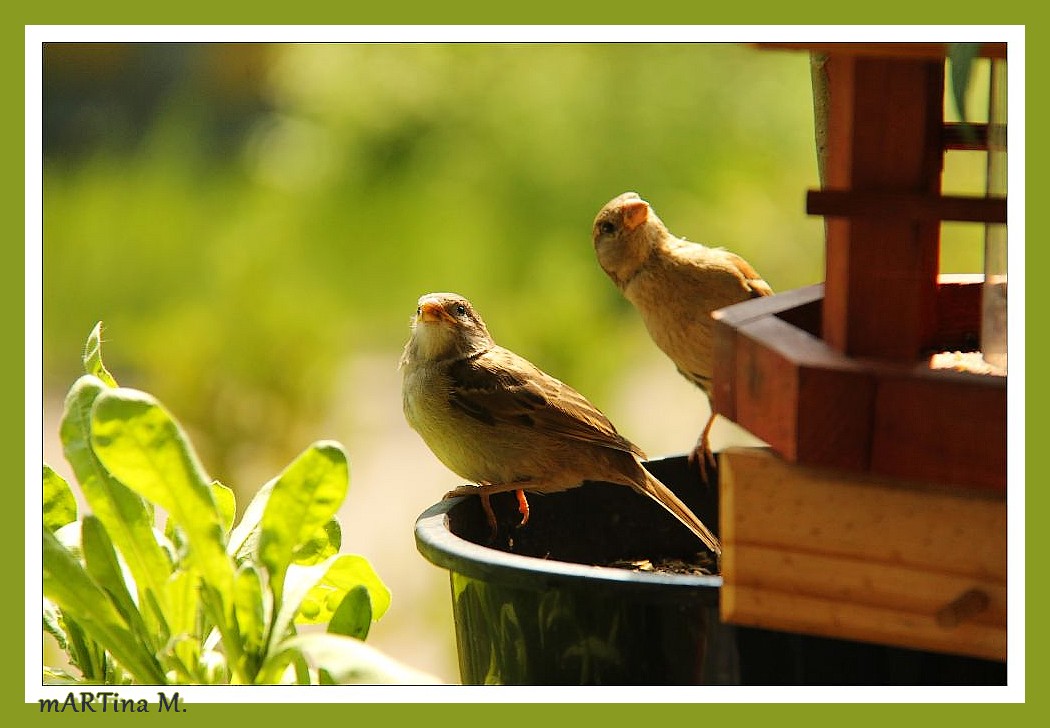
(432, 312)
(635, 213)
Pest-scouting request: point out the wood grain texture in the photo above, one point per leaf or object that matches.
(817, 406)
(826, 552)
(885, 119)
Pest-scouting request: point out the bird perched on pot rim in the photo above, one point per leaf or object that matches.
(675, 284)
(497, 420)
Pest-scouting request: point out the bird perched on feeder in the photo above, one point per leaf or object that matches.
(675, 284)
(497, 420)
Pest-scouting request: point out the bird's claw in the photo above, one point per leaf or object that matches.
(703, 459)
(523, 507)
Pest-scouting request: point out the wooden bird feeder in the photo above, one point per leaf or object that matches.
(878, 512)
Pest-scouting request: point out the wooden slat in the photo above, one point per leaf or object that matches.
(799, 304)
(825, 552)
(844, 203)
(857, 516)
(766, 396)
(929, 51)
(799, 307)
(884, 127)
(969, 136)
(868, 582)
(829, 618)
(800, 396)
(948, 426)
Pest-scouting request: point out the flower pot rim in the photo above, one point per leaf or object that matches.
(436, 542)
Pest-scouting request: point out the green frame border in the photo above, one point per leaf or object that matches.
(611, 12)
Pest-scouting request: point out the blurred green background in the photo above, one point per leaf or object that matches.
(255, 222)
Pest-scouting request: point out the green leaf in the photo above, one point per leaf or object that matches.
(304, 498)
(346, 661)
(127, 517)
(244, 539)
(343, 574)
(226, 502)
(301, 579)
(213, 669)
(93, 357)
(324, 544)
(60, 507)
(138, 441)
(55, 676)
(353, 616)
(252, 616)
(52, 619)
(82, 600)
(105, 569)
(84, 652)
(184, 617)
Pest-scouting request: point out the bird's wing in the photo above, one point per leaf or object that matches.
(755, 283)
(699, 262)
(499, 387)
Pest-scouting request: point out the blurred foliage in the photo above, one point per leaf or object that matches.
(283, 206)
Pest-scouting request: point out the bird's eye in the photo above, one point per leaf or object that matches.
(606, 228)
(460, 309)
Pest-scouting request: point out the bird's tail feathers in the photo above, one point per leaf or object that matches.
(663, 495)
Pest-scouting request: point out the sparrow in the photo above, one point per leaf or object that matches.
(497, 420)
(675, 284)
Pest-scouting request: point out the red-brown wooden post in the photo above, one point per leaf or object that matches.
(885, 119)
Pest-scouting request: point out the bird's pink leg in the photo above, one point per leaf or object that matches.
(523, 507)
(486, 490)
(490, 516)
(702, 456)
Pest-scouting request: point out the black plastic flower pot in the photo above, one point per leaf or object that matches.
(558, 602)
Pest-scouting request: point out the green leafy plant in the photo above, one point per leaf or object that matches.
(197, 600)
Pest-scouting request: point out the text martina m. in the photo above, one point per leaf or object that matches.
(109, 701)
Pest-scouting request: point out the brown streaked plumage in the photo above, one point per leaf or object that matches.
(675, 284)
(497, 420)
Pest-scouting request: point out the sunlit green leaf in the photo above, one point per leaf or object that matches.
(324, 543)
(346, 660)
(226, 502)
(184, 616)
(127, 517)
(80, 598)
(343, 573)
(304, 498)
(244, 539)
(84, 652)
(56, 676)
(52, 619)
(104, 567)
(60, 506)
(138, 441)
(214, 669)
(353, 616)
(93, 357)
(252, 615)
